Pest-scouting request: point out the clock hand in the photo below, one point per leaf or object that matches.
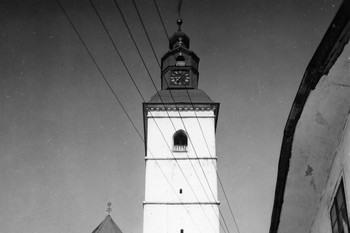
(181, 75)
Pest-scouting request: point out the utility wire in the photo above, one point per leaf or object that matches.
(148, 38)
(221, 185)
(138, 88)
(151, 44)
(102, 75)
(121, 59)
(137, 48)
(231, 212)
(150, 76)
(98, 68)
(144, 29)
(161, 19)
(172, 98)
(120, 103)
(116, 49)
(126, 24)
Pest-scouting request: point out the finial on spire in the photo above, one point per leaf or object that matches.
(179, 23)
(109, 208)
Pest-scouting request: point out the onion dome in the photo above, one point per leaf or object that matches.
(179, 38)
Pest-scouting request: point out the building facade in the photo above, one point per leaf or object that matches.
(313, 182)
(179, 122)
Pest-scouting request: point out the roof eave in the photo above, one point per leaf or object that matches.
(331, 46)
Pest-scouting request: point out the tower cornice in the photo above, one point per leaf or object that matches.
(185, 158)
(176, 107)
(181, 203)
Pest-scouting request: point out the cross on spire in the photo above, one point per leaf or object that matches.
(109, 208)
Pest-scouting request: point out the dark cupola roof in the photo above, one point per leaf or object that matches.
(179, 38)
(107, 226)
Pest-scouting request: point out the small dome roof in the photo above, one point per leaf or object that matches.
(179, 38)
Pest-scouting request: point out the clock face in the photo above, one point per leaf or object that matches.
(180, 77)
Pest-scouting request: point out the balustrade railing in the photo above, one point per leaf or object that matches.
(179, 148)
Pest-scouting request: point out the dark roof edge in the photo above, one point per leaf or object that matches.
(100, 226)
(330, 48)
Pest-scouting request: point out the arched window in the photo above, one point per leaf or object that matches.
(180, 141)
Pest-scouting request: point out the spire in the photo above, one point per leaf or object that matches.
(180, 64)
(179, 38)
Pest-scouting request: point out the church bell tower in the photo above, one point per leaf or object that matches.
(181, 193)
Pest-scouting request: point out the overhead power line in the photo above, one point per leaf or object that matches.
(116, 49)
(151, 45)
(120, 103)
(144, 29)
(161, 19)
(221, 184)
(105, 79)
(132, 38)
(119, 9)
(150, 76)
(98, 68)
(138, 88)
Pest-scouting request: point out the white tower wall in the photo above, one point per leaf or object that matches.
(181, 187)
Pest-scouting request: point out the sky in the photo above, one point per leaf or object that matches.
(66, 146)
